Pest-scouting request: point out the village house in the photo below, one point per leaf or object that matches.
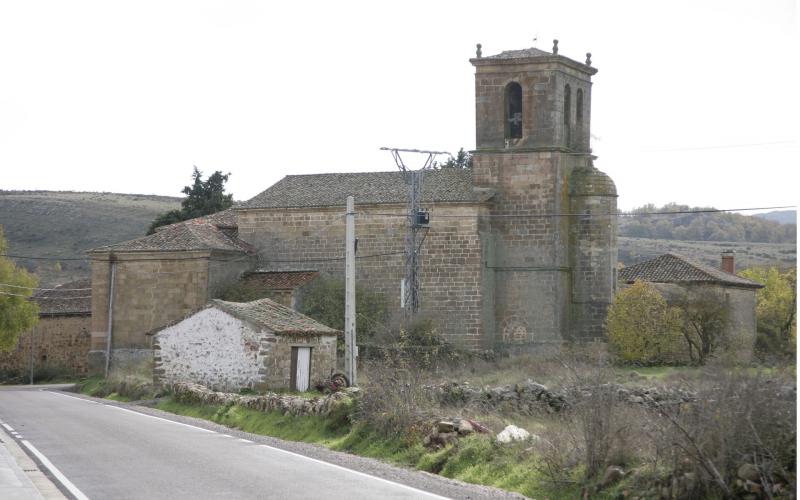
(59, 343)
(679, 278)
(520, 253)
(257, 345)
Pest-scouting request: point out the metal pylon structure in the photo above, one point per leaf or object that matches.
(418, 222)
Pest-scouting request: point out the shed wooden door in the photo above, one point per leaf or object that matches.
(301, 368)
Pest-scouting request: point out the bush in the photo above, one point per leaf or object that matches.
(776, 306)
(323, 300)
(642, 327)
(394, 400)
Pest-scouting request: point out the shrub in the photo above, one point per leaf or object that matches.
(394, 400)
(323, 300)
(776, 306)
(642, 327)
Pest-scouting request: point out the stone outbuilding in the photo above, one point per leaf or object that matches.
(257, 345)
(143, 284)
(59, 343)
(677, 277)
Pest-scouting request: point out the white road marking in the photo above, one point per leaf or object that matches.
(57, 473)
(134, 412)
(159, 418)
(431, 495)
(244, 440)
(8, 428)
(73, 397)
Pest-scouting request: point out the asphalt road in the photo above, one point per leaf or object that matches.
(110, 452)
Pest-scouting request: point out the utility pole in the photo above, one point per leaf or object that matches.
(418, 221)
(350, 347)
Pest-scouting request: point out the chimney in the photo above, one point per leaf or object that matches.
(728, 264)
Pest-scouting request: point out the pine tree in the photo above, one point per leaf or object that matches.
(202, 198)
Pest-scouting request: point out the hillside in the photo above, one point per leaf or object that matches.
(65, 224)
(782, 255)
(780, 216)
(650, 221)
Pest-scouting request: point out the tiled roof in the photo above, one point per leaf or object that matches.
(275, 317)
(73, 298)
(222, 219)
(277, 280)
(327, 190)
(519, 54)
(193, 234)
(674, 268)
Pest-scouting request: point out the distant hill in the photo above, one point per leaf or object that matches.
(650, 221)
(780, 216)
(781, 255)
(64, 224)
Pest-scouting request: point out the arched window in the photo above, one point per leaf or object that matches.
(579, 108)
(513, 111)
(567, 111)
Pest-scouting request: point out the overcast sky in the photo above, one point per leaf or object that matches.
(694, 102)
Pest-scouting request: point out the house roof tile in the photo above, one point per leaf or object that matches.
(73, 298)
(278, 318)
(328, 190)
(278, 280)
(214, 232)
(674, 268)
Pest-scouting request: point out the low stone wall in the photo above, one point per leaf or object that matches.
(530, 396)
(284, 403)
(60, 344)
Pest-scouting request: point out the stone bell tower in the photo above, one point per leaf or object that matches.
(549, 243)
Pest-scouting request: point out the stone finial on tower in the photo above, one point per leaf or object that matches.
(478, 52)
(555, 47)
(588, 58)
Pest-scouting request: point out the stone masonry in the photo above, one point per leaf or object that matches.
(223, 349)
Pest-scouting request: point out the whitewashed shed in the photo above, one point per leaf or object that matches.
(258, 345)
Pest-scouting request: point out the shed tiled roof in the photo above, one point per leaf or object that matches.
(201, 233)
(674, 268)
(278, 280)
(328, 190)
(73, 298)
(279, 319)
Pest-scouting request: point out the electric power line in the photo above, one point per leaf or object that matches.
(44, 289)
(443, 216)
(721, 146)
(39, 297)
(607, 214)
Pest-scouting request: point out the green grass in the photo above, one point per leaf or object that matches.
(475, 459)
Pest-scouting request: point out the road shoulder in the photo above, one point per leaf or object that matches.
(20, 476)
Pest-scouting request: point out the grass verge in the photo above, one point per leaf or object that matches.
(475, 459)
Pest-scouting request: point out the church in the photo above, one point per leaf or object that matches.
(520, 250)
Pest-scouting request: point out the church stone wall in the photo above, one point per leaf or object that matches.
(452, 267)
(530, 263)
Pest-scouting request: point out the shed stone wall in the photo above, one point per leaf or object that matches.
(276, 352)
(217, 350)
(210, 348)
